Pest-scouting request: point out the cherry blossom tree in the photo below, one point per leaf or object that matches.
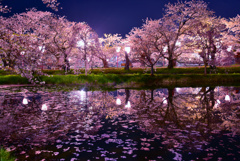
(61, 39)
(208, 39)
(22, 41)
(7, 46)
(234, 26)
(144, 43)
(49, 3)
(233, 38)
(86, 41)
(180, 18)
(108, 44)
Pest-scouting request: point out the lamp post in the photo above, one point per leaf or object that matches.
(42, 49)
(22, 54)
(81, 44)
(127, 51)
(118, 50)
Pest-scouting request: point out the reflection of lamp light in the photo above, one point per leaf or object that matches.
(128, 105)
(25, 101)
(118, 101)
(218, 102)
(227, 98)
(83, 95)
(44, 107)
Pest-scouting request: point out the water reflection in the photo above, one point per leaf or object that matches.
(162, 124)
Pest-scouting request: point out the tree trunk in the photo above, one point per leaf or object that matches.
(4, 62)
(105, 63)
(171, 61)
(127, 62)
(67, 65)
(152, 70)
(86, 66)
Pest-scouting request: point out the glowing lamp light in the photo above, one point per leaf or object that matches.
(178, 43)
(178, 90)
(165, 49)
(118, 101)
(164, 100)
(22, 52)
(44, 107)
(127, 49)
(118, 49)
(229, 48)
(128, 105)
(227, 98)
(42, 48)
(25, 101)
(80, 43)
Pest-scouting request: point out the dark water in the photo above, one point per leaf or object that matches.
(40, 123)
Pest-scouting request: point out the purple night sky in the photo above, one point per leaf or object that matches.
(117, 16)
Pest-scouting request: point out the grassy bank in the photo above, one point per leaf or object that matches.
(137, 77)
(133, 80)
(188, 70)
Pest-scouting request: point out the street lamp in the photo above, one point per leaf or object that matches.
(164, 100)
(118, 50)
(81, 44)
(22, 53)
(42, 49)
(127, 51)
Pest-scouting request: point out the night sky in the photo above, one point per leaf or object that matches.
(117, 16)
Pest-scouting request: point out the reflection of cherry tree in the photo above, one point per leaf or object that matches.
(184, 119)
(181, 116)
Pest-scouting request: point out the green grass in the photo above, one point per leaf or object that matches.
(5, 155)
(137, 76)
(146, 79)
(188, 70)
(13, 79)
